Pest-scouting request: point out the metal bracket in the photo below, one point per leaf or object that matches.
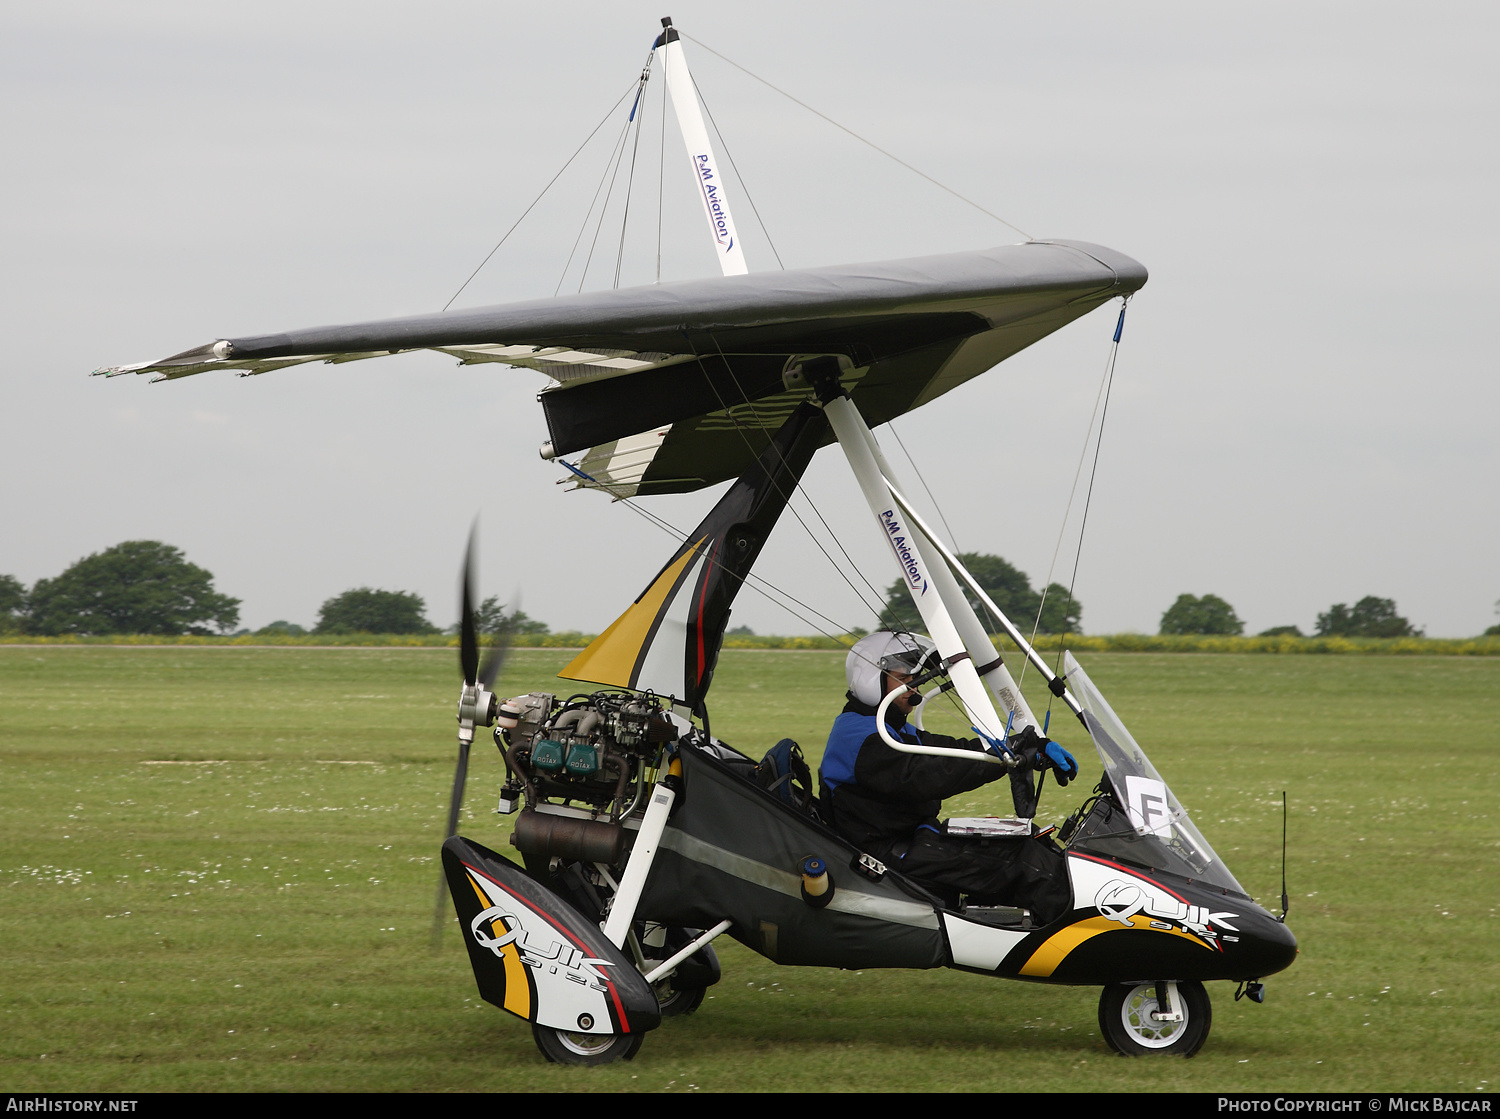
(871, 867)
(1166, 996)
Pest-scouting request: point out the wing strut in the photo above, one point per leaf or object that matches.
(932, 586)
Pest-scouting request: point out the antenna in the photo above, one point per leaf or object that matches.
(1283, 857)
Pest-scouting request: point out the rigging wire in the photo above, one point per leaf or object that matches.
(537, 199)
(750, 580)
(1062, 529)
(661, 178)
(582, 229)
(604, 209)
(977, 605)
(930, 496)
(729, 412)
(743, 185)
(630, 183)
(1109, 379)
(857, 136)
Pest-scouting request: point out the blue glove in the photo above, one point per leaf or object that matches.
(1062, 763)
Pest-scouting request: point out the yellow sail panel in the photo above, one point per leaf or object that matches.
(612, 657)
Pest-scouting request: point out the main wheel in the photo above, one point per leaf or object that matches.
(1127, 1022)
(675, 1001)
(564, 1048)
(684, 990)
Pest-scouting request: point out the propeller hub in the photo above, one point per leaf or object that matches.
(477, 706)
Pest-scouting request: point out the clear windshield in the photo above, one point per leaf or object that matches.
(1154, 829)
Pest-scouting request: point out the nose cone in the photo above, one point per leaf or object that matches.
(1266, 948)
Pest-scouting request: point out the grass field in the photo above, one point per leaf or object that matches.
(217, 869)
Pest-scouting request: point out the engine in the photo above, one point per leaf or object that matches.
(588, 749)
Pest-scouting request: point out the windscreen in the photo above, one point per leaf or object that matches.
(1154, 829)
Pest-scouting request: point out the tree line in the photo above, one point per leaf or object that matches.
(1369, 617)
(1052, 610)
(147, 587)
(1056, 611)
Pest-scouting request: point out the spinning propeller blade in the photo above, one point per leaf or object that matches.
(468, 639)
(476, 705)
(496, 658)
(468, 664)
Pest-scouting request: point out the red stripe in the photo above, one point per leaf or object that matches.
(544, 915)
(1214, 944)
(1133, 873)
(702, 596)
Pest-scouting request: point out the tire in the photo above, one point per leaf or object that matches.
(563, 1048)
(684, 990)
(1125, 1022)
(677, 1001)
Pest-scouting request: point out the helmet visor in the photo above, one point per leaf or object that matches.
(912, 659)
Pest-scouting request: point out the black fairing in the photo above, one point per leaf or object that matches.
(733, 851)
(631, 1004)
(1262, 946)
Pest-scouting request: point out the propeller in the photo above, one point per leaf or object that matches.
(477, 705)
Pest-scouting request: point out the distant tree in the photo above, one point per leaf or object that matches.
(1282, 631)
(1370, 617)
(1007, 585)
(140, 586)
(291, 629)
(364, 610)
(491, 617)
(1209, 615)
(1494, 630)
(1061, 612)
(12, 603)
(740, 631)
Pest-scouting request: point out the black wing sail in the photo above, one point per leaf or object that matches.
(672, 387)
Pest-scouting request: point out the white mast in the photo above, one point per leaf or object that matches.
(700, 154)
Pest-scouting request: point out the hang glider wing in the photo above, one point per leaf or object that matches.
(673, 387)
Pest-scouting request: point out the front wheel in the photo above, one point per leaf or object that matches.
(564, 1048)
(1127, 1020)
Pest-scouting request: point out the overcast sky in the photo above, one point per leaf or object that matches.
(1305, 403)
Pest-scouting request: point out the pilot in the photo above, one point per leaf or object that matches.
(886, 802)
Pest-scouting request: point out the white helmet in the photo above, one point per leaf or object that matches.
(883, 652)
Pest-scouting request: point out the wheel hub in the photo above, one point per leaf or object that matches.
(1139, 1016)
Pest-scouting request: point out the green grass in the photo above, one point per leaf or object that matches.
(252, 911)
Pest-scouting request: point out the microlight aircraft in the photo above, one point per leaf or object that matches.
(643, 837)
